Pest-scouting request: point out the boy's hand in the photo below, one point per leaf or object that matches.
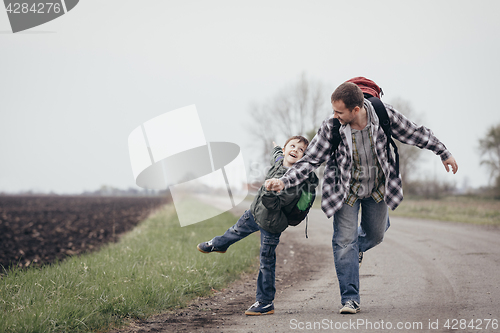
(274, 184)
(275, 144)
(451, 162)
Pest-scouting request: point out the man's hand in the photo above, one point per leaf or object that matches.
(274, 184)
(451, 162)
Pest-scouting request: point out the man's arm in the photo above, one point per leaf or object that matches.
(410, 133)
(450, 162)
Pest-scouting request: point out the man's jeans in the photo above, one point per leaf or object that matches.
(349, 239)
(245, 226)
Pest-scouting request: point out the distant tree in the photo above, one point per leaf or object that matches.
(297, 109)
(409, 156)
(489, 147)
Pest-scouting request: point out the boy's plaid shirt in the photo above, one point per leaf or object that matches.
(337, 174)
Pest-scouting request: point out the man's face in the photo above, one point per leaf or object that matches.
(293, 151)
(343, 114)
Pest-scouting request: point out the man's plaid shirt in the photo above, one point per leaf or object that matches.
(337, 174)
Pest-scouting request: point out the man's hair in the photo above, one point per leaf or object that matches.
(350, 94)
(297, 137)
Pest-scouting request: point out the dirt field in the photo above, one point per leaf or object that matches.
(41, 229)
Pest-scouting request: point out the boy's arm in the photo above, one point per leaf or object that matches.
(275, 201)
(410, 133)
(316, 153)
(275, 153)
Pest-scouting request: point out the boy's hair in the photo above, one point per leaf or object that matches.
(297, 137)
(350, 94)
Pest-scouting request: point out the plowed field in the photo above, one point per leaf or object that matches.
(41, 229)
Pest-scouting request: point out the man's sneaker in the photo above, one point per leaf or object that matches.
(207, 247)
(350, 307)
(360, 258)
(259, 308)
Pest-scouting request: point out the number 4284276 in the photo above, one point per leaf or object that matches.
(474, 324)
(36, 8)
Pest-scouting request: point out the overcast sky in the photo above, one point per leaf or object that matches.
(73, 89)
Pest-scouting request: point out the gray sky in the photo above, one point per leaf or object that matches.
(73, 89)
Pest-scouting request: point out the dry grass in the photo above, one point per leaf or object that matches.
(457, 208)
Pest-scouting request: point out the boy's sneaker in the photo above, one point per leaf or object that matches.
(360, 258)
(207, 247)
(350, 307)
(259, 308)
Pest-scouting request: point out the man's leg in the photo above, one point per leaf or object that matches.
(346, 251)
(374, 223)
(245, 226)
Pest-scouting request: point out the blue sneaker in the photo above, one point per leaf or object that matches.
(207, 247)
(259, 308)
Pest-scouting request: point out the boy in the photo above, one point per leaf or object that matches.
(267, 214)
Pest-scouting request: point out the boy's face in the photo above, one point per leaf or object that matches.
(293, 151)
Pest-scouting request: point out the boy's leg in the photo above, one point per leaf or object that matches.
(245, 226)
(346, 251)
(266, 288)
(374, 223)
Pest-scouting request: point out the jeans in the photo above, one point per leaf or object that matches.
(266, 288)
(349, 239)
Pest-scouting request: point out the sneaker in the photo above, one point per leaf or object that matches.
(360, 258)
(350, 307)
(259, 308)
(207, 247)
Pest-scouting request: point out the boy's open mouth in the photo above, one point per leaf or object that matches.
(293, 155)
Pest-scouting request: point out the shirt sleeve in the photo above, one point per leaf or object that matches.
(276, 153)
(410, 133)
(316, 153)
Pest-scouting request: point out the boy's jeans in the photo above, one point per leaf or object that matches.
(245, 226)
(349, 239)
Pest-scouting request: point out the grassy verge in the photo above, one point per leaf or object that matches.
(458, 209)
(465, 209)
(153, 268)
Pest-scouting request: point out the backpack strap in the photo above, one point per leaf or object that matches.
(335, 140)
(307, 220)
(385, 122)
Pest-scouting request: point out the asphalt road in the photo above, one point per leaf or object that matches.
(426, 276)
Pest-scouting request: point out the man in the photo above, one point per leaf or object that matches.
(359, 173)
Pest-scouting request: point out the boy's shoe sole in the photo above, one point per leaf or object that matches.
(199, 249)
(248, 313)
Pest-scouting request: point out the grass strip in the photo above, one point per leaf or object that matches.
(463, 209)
(153, 268)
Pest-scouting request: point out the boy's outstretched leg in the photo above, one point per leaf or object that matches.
(245, 226)
(207, 247)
